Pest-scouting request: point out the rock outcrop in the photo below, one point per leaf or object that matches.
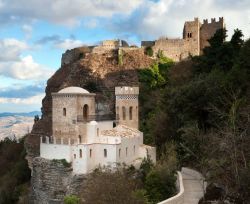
(52, 180)
(96, 72)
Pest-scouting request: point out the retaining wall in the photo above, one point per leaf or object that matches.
(179, 198)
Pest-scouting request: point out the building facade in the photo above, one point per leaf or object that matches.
(89, 141)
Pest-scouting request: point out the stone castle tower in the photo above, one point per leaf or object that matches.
(72, 108)
(195, 39)
(127, 106)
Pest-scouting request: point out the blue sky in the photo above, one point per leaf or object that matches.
(35, 33)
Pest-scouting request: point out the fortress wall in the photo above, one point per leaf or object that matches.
(111, 44)
(208, 30)
(171, 48)
(177, 49)
(75, 54)
(147, 43)
(127, 49)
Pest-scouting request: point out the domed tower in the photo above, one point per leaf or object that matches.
(127, 106)
(72, 109)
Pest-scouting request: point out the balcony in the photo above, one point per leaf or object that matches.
(106, 117)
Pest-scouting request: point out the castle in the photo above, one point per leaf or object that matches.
(89, 141)
(195, 39)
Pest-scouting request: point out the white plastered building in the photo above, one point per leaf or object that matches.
(89, 141)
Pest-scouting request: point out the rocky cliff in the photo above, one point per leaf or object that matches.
(96, 72)
(52, 180)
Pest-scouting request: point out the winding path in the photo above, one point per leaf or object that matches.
(193, 186)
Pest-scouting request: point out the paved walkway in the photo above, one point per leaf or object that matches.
(193, 186)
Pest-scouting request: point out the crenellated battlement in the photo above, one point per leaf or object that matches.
(213, 20)
(126, 90)
(195, 39)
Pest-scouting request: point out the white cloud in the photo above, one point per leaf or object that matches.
(10, 49)
(65, 12)
(91, 23)
(167, 17)
(68, 44)
(25, 69)
(27, 29)
(34, 100)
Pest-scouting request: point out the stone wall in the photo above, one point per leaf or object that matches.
(179, 198)
(207, 30)
(111, 44)
(73, 105)
(195, 38)
(75, 54)
(127, 106)
(177, 49)
(52, 181)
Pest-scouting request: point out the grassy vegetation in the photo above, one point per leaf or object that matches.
(148, 185)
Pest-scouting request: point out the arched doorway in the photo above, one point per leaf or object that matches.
(85, 112)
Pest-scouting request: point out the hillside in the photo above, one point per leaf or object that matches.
(16, 125)
(199, 107)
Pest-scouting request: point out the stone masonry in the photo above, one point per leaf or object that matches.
(195, 39)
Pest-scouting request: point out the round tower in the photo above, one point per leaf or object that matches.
(127, 106)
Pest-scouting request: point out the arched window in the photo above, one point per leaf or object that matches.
(134, 149)
(64, 111)
(97, 132)
(85, 112)
(90, 152)
(136, 111)
(119, 152)
(130, 113)
(105, 153)
(74, 156)
(126, 151)
(123, 113)
(80, 153)
(80, 138)
(190, 35)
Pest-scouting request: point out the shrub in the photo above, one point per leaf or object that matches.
(71, 199)
(149, 51)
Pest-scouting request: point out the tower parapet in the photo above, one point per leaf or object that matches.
(127, 106)
(208, 29)
(124, 90)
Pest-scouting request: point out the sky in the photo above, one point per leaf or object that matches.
(35, 33)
